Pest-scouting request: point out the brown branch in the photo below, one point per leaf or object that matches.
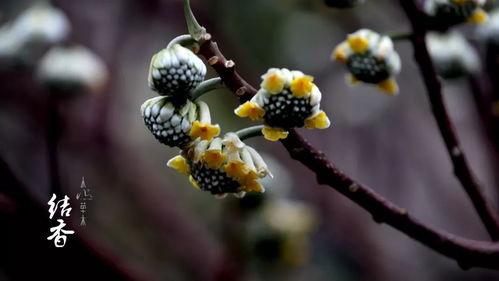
(447, 130)
(468, 253)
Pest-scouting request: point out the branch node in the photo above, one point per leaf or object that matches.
(456, 151)
(229, 64)
(353, 187)
(213, 60)
(241, 91)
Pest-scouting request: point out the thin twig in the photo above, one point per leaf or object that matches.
(468, 253)
(447, 130)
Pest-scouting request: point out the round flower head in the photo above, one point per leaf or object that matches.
(177, 123)
(343, 3)
(175, 70)
(490, 30)
(41, 23)
(286, 100)
(71, 69)
(456, 11)
(452, 54)
(370, 58)
(221, 166)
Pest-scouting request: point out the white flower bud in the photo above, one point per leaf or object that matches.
(175, 71)
(72, 69)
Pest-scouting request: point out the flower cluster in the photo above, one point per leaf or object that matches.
(341, 4)
(173, 118)
(221, 166)
(456, 11)
(287, 99)
(370, 58)
(177, 123)
(452, 55)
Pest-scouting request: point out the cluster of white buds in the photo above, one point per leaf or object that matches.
(456, 11)
(72, 69)
(489, 31)
(176, 123)
(175, 118)
(40, 25)
(175, 71)
(342, 4)
(452, 55)
(370, 58)
(287, 99)
(221, 166)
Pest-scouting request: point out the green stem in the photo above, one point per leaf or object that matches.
(397, 36)
(195, 29)
(205, 87)
(246, 133)
(184, 40)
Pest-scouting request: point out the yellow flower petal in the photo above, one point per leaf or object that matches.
(358, 44)
(214, 158)
(480, 16)
(180, 164)
(389, 86)
(339, 54)
(204, 131)
(193, 182)
(352, 80)
(274, 83)
(274, 134)
(251, 110)
(302, 86)
(253, 186)
(236, 170)
(318, 121)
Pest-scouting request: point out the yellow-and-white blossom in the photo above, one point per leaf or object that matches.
(286, 99)
(370, 58)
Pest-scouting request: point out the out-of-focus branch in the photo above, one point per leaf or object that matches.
(447, 130)
(468, 253)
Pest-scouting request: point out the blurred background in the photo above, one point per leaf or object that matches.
(146, 222)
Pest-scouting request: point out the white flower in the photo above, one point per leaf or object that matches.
(286, 99)
(72, 68)
(370, 58)
(452, 54)
(221, 166)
